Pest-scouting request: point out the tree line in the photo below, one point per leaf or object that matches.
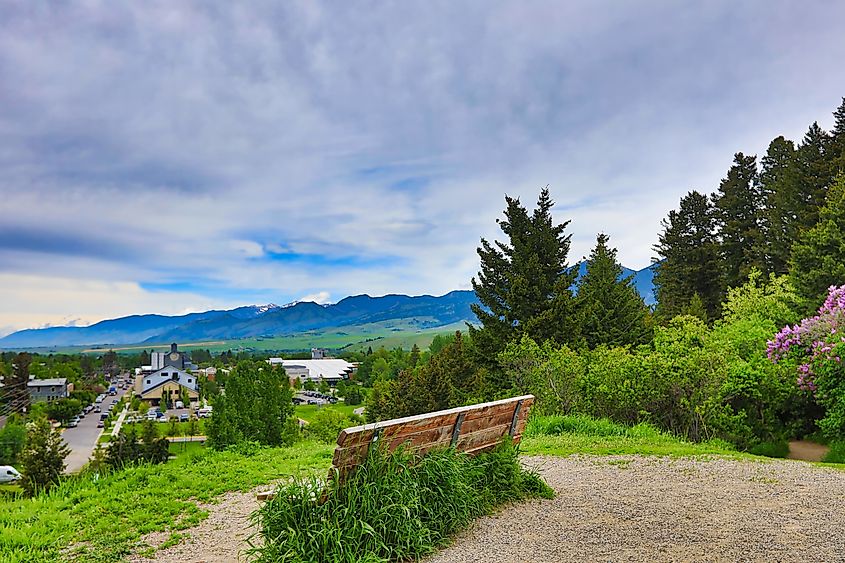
(783, 214)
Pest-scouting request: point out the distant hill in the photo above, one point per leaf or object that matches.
(252, 321)
(423, 312)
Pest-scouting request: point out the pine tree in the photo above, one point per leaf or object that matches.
(815, 175)
(738, 212)
(43, 458)
(818, 258)
(781, 191)
(523, 284)
(837, 142)
(688, 259)
(611, 310)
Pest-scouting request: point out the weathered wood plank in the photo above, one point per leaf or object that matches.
(483, 426)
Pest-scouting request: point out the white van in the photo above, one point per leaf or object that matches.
(8, 474)
(204, 412)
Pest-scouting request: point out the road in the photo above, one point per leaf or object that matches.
(83, 439)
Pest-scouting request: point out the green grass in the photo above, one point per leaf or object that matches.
(163, 428)
(836, 453)
(100, 519)
(186, 448)
(393, 508)
(307, 412)
(578, 434)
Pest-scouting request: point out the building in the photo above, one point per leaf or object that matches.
(330, 370)
(166, 383)
(174, 358)
(41, 390)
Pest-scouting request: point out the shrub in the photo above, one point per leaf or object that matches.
(393, 507)
(836, 453)
(771, 449)
(327, 424)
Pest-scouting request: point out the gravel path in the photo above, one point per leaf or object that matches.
(220, 538)
(615, 508)
(632, 508)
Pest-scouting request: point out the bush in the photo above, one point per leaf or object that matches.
(771, 449)
(327, 424)
(836, 453)
(394, 507)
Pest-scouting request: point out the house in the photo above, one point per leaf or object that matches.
(41, 390)
(166, 383)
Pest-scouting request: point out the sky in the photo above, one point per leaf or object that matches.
(168, 157)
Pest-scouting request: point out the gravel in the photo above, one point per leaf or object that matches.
(634, 508)
(615, 508)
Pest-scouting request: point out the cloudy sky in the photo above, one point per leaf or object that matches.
(177, 156)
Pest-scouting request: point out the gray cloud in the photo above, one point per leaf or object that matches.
(189, 143)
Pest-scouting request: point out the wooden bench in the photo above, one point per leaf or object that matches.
(472, 430)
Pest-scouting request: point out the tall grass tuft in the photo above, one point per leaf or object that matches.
(394, 507)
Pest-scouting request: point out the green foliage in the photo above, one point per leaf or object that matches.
(689, 259)
(353, 395)
(255, 406)
(836, 454)
(553, 375)
(524, 283)
(327, 423)
(43, 458)
(738, 204)
(395, 507)
(818, 257)
(12, 440)
(610, 309)
(63, 409)
(127, 449)
(778, 449)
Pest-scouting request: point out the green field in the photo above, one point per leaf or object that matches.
(307, 412)
(403, 333)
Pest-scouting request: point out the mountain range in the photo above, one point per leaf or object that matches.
(425, 311)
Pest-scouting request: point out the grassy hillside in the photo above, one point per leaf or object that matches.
(390, 334)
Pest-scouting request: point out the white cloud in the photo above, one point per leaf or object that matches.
(321, 297)
(39, 301)
(254, 154)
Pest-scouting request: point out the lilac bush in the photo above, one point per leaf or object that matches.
(818, 342)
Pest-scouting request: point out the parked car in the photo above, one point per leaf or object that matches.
(98, 409)
(204, 412)
(184, 417)
(104, 415)
(9, 474)
(180, 405)
(72, 423)
(101, 424)
(152, 415)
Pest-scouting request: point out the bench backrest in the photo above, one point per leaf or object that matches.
(471, 429)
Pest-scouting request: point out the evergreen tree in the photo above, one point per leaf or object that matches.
(818, 258)
(610, 307)
(837, 142)
(781, 191)
(738, 211)
(43, 458)
(688, 259)
(524, 283)
(815, 175)
(254, 407)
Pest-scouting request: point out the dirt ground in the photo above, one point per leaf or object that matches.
(616, 508)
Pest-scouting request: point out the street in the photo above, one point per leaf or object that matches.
(83, 439)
